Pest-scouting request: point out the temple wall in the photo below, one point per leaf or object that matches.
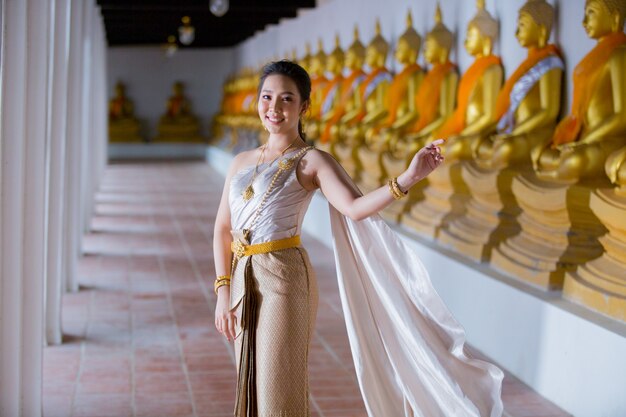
(149, 76)
(336, 16)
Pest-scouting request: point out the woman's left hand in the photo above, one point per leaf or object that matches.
(425, 161)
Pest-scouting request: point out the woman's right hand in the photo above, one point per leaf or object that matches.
(225, 320)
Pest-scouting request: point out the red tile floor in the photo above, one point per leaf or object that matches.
(139, 338)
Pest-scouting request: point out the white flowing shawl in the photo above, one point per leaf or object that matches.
(407, 347)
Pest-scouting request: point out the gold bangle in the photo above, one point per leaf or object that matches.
(220, 283)
(395, 190)
(221, 277)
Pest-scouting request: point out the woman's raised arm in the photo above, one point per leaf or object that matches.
(341, 192)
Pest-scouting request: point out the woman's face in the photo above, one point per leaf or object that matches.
(280, 104)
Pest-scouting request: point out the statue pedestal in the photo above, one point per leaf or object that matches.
(491, 213)
(445, 197)
(179, 132)
(124, 131)
(559, 232)
(347, 154)
(373, 173)
(600, 284)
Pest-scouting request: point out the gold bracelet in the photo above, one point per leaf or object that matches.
(395, 190)
(221, 277)
(220, 283)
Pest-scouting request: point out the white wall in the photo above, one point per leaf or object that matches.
(149, 77)
(340, 16)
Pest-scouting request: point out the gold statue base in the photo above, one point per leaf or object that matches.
(349, 159)
(600, 284)
(124, 131)
(445, 198)
(559, 232)
(394, 166)
(185, 133)
(491, 213)
(373, 173)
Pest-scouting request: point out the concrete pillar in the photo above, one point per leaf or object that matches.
(56, 164)
(72, 220)
(86, 119)
(23, 206)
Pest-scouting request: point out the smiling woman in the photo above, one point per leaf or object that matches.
(267, 292)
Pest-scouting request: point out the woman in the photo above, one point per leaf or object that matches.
(408, 350)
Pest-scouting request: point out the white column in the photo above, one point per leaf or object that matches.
(86, 196)
(72, 225)
(23, 205)
(59, 36)
(12, 128)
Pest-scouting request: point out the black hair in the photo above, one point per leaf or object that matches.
(297, 74)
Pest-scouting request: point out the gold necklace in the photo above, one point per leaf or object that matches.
(248, 192)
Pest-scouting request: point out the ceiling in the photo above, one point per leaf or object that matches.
(150, 22)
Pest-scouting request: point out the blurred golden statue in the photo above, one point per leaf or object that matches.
(178, 124)
(318, 87)
(400, 105)
(346, 99)
(371, 107)
(329, 96)
(123, 126)
(597, 123)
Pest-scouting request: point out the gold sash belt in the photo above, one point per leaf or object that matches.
(240, 250)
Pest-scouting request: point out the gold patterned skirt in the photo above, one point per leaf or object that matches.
(275, 300)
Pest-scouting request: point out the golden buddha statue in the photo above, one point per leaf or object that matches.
(346, 100)
(600, 284)
(319, 82)
(400, 105)
(329, 95)
(559, 229)
(529, 103)
(597, 123)
(123, 125)
(305, 61)
(525, 111)
(372, 95)
(178, 124)
(435, 103)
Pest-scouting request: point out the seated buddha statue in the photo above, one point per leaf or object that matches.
(529, 103)
(596, 125)
(317, 69)
(400, 105)
(401, 109)
(478, 89)
(123, 126)
(305, 60)
(178, 124)
(345, 99)
(329, 95)
(435, 97)
(372, 95)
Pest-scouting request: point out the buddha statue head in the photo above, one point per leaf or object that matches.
(318, 61)
(438, 41)
(178, 89)
(376, 52)
(534, 24)
(482, 31)
(603, 17)
(409, 43)
(355, 55)
(305, 61)
(120, 89)
(335, 60)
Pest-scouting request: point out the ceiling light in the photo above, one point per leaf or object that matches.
(218, 7)
(186, 33)
(170, 47)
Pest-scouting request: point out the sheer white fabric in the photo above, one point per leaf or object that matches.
(408, 349)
